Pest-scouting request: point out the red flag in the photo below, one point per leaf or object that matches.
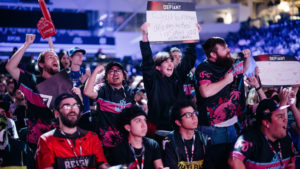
(45, 24)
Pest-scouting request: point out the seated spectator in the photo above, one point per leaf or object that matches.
(185, 147)
(11, 126)
(13, 153)
(136, 150)
(68, 146)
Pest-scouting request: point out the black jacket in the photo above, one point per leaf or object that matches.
(162, 92)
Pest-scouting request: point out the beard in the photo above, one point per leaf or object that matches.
(50, 70)
(224, 62)
(67, 122)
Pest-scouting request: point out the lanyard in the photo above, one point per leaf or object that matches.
(275, 153)
(135, 157)
(70, 144)
(186, 151)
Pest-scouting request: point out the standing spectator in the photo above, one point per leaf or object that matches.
(40, 116)
(266, 145)
(11, 126)
(13, 153)
(136, 150)
(185, 147)
(189, 81)
(78, 74)
(64, 60)
(162, 82)
(112, 97)
(68, 146)
(220, 96)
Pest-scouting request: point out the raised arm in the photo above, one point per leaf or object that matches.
(13, 62)
(89, 90)
(254, 82)
(209, 89)
(247, 54)
(295, 110)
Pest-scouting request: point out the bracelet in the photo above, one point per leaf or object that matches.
(258, 88)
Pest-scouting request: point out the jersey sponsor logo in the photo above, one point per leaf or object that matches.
(192, 165)
(204, 74)
(74, 162)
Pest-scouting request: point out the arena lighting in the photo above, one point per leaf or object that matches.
(284, 6)
(228, 18)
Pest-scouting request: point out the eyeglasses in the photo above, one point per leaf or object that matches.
(117, 71)
(189, 114)
(68, 107)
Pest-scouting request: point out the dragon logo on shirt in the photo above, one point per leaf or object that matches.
(243, 145)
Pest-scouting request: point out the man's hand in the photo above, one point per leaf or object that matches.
(252, 81)
(84, 77)
(29, 39)
(247, 53)
(99, 69)
(283, 96)
(144, 28)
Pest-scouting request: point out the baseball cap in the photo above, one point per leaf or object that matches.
(75, 49)
(127, 115)
(65, 96)
(112, 64)
(265, 107)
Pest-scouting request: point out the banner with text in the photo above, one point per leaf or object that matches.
(278, 70)
(172, 22)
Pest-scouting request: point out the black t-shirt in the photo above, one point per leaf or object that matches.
(111, 102)
(176, 157)
(226, 103)
(122, 154)
(254, 150)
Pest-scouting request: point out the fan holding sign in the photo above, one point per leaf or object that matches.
(163, 83)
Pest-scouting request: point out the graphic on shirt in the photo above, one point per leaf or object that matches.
(243, 145)
(190, 165)
(35, 130)
(46, 99)
(204, 74)
(110, 137)
(225, 109)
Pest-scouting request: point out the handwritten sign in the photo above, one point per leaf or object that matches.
(278, 70)
(172, 22)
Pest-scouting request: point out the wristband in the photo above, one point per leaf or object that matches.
(258, 88)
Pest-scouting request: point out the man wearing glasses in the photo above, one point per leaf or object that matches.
(185, 147)
(69, 146)
(112, 97)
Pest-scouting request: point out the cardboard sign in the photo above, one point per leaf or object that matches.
(53, 87)
(278, 70)
(172, 22)
(45, 24)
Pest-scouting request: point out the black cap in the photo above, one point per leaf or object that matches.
(74, 50)
(265, 107)
(65, 96)
(112, 64)
(127, 115)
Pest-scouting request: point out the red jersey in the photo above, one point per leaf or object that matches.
(80, 150)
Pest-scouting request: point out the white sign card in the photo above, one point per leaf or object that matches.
(172, 22)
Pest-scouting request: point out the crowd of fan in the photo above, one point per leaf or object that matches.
(165, 94)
